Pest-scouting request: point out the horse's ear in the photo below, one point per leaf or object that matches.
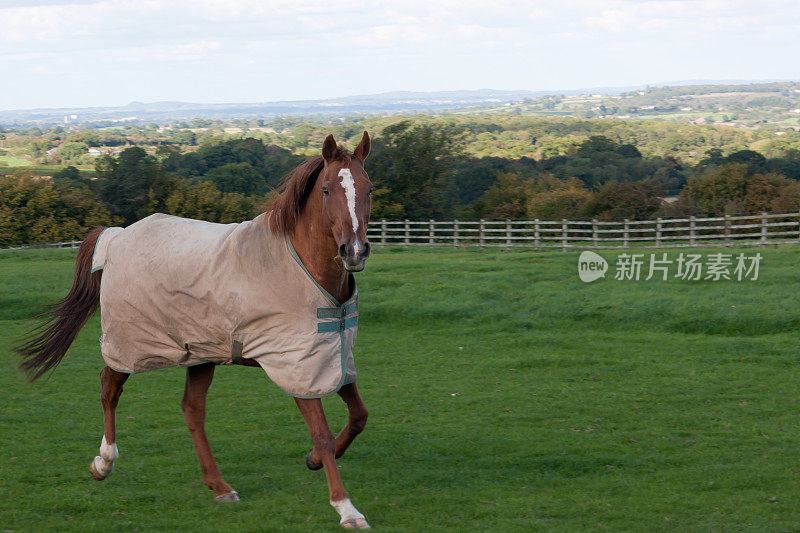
(329, 148)
(362, 150)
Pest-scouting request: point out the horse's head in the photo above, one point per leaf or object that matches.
(346, 203)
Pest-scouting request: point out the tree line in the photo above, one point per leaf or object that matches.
(490, 135)
(420, 170)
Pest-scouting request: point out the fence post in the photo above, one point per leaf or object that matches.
(383, 231)
(626, 233)
(430, 231)
(692, 227)
(727, 230)
(763, 229)
(509, 244)
(564, 223)
(455, 233)
(594, 232)
(658, 232)
(480, 232)
(407, 239)
(536, 233)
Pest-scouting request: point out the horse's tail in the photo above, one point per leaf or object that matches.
(48, 343)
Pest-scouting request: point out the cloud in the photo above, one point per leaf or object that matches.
(193, 50)
(417, 44)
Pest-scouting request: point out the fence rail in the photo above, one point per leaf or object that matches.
(740, 230)
(748, 230)
(63, 244)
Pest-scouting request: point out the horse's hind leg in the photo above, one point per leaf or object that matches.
(111, 383)
(356, 420)
(198, 380)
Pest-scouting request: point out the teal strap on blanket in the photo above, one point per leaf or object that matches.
(236, 353)
(337, 312)
(337, 325)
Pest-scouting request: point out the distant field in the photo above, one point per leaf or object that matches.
(8, 161)
(505, 395)
(86, 171)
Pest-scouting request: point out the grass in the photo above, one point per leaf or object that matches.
(505, 395)
(8, 161)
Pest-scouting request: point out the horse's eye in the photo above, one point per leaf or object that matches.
(325, 191)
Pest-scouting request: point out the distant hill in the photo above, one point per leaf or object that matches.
(396, 102)
(753, 104)
(368, 104)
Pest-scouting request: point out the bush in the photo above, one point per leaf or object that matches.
(34, 209)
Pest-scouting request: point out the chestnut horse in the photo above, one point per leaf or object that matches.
(324, 209)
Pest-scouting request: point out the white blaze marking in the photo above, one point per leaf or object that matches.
(349, 187)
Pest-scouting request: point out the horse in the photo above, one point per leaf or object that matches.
(320, 219)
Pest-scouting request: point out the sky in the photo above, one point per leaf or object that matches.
(76, 53)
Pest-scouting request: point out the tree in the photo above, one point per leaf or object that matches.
(69, 176)
(205, 202)
(553, 199)
(748, 157)
(38, 148)
(732, 189)
(36, 210)
(721, 190)
(237, 177)
(71, 151)
(771, 192)
(382, 207)
(186, 137)
(629, 151)
(634, 200)
(215, 153)
(131, 183)
(415, 163)
(507, 198)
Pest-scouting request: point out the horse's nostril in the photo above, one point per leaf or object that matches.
(342, 251)
(367, 247)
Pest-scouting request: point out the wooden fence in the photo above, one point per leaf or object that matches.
(758, 230)
(64, 244)
(743, 230)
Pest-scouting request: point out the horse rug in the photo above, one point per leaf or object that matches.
(179, 292)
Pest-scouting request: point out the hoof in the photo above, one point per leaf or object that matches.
(95, 473)
(310, 461)
(356, 523)
(230, 497)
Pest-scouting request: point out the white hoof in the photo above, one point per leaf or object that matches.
(98, 469)
(103, 464)
(351, 518)
(355, 523)
(230, 497)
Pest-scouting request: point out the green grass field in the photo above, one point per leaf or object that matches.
(8, 161)
(504, 395)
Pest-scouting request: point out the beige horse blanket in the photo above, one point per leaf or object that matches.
(179, 292)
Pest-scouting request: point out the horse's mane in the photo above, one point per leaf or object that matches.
(285, 209)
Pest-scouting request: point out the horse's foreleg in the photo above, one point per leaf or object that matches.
(324, 453)
(198, 380)
(356, 421)
(111, 383)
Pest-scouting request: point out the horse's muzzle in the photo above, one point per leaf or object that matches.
(352, 261)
